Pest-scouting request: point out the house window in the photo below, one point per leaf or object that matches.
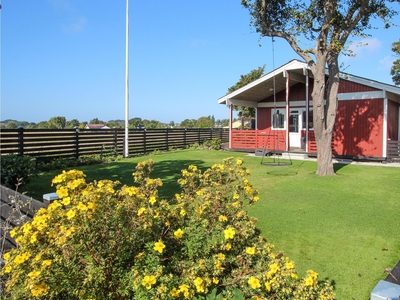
(278, 119)
(310, 119)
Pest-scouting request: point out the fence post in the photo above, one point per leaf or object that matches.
(166, 139)
(184, 137)
(198, 135)
(116, 141)
(144, 140)
(76, 143)
(20, 141)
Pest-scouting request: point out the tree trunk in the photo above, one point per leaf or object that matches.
(324, 117)
(324, 154)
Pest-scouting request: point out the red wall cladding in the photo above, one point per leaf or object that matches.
(358, 128)
(353, 87)
(263, 118)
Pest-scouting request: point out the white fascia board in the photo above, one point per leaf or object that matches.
(283, 104)
(242, 103)
(361, 95)
(292, 65)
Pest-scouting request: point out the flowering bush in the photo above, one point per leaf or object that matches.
(104, 242)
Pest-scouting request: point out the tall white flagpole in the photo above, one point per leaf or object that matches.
(126, 144)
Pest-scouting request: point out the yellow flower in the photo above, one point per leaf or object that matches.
(62, 192)
(236, 204)
(289, 265)
(91, 205)
(251, 250)
(81, 206)
(256, 198)
(184, 288)
(152, 200)
(222, 218)
(221, 256)
(174, 292)
(66, 201)
(131, 191)
(148, 281)
(239, 161)
(268, 286)
(254, 282)
(34, 274)
(13, 232)
(228, 246)
(7, 269)
(46, 263)
(236, 196)
(70, 214)
(6, 256)
(229, 233)
(198, 282)
(141, 211)
(39, 289)
(215, 280)
(159, 246)
(183, 212)
(177, 196)
(21, 258)
(178, 233)
(33, 238)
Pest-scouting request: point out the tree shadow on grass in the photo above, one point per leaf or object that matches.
(169, 171)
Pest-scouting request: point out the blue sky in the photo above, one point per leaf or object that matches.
(67, 58)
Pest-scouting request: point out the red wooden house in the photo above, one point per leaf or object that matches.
(367, 116)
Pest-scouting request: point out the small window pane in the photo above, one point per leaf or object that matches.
(310, 119)
(278, 120)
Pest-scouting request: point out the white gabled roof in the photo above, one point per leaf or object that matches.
(262, 88)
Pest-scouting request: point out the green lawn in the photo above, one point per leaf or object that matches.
(345, 227)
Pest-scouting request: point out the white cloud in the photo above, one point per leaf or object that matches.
(386, 63)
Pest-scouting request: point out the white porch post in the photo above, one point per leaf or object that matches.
(307, 108)
(385, 125)
(230, 124)
(287, 75)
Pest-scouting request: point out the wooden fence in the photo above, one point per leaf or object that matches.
(78, 142)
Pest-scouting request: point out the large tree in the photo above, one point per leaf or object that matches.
(328, 24)
(395, 71)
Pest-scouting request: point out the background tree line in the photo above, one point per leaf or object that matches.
(62, 123)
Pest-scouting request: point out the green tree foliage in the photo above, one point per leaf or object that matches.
(57, 123)
(205, 122)
(12, 125)
(188, 123)
(95, 121)
(244, 111)
(328, 24)
(395, 71)
(74, 123)
(135, 122)
(43, 125)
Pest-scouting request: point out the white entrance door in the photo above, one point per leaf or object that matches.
(295, 123)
